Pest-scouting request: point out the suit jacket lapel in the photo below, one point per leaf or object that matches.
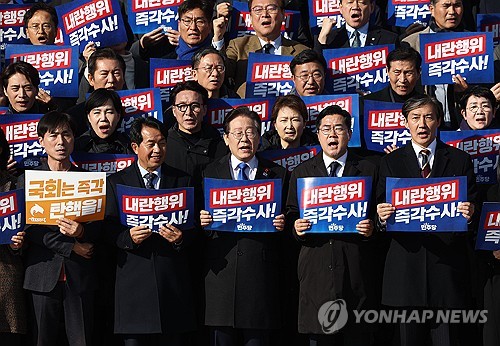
(224, 168)
(254, 44)
(287, 47)
(411, 162)
(351, 169)
(440, 160)
(136, 179)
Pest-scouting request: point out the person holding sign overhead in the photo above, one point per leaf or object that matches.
(331, 266)
(60, 269)
(431, 270)
(242, 270)
(153, 292)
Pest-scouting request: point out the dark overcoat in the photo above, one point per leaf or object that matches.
(153, 292)
(242, 270)
(427, 269)
(330, 266)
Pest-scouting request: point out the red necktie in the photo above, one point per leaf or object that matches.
(426, 167)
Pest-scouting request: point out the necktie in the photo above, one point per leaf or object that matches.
(333, 169)
(426, 167)
(356, 42)
(267, 48)
(241, 172)
(150, 177)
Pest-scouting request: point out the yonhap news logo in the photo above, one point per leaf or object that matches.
(333, 316)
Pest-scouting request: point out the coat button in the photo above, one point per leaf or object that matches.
(330, 267)
(239, 253)
(331, 242)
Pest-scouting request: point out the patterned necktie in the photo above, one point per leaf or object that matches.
(267, 48)
(426, 166)
(333, 168)
(356, 42)
(150, 177)
(241, 172)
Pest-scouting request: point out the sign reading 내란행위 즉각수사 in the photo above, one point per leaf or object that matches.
(426, 204)
(332, 204)
(243, 205)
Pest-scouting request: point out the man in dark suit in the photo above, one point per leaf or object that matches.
(60, 270)
(356, 32)
(331, 266)
(153, 295)
(267, 17)
(242, 270)
(426, 271)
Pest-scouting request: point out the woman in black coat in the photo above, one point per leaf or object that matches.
(104, 112)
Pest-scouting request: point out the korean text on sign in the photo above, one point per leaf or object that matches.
(426, 204)
(243, 206)
(334, 205)
(51, 195)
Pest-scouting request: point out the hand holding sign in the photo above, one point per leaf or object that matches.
(70, 228)
(467, 209)
(140, 233)
(220, 27)
(279, 222)
(496, 254)
(152, 38)
(205, 218)
(17, 240)
(459, 83)
(365, 227)
(384, 211)
(301, 226)
(171, 233)
(173, 36)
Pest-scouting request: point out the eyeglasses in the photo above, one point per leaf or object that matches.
(195, 107)
(199, 22)
(317, 76)
(210, 69)
(271, 8)
(45, 27)
(475, 108)
(339, 130)
(250, 133)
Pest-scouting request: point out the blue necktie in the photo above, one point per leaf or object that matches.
(241, 172)
(150, 177)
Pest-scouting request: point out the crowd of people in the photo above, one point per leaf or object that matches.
(103, 283)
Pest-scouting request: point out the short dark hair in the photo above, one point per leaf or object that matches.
(23, 68)
(195, 61)
(191, 86)
(41, 6)
(137, 125)
(420, 101)
(188, 5)
(53, 120)
(5, 151)
(291, 101)
(281, 4)
(331, 110)
(241, 112)
(306, 56)
(405, 53)
(100, 97)
(104, 53)
(478, 91)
